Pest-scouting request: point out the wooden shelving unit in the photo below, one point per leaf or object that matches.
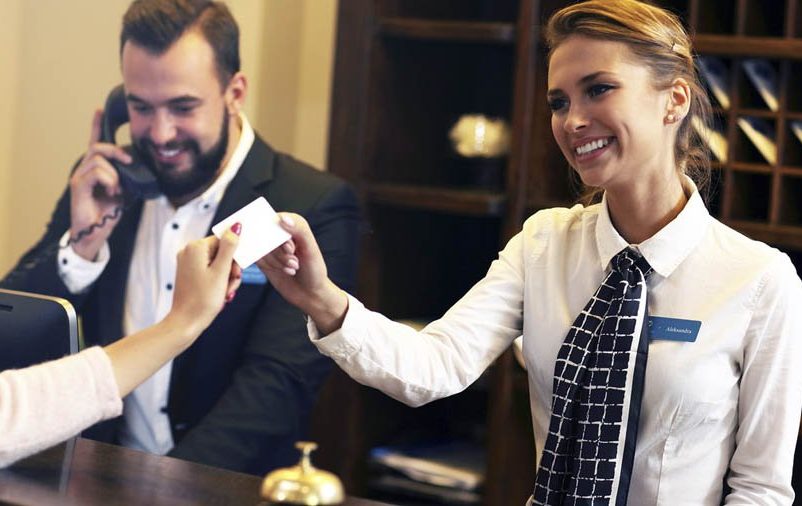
(759, 198)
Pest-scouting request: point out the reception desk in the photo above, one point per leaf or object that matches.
(85, 472)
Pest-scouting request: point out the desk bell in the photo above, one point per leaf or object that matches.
(303, 484)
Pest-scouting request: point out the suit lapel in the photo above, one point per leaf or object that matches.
(247, 185)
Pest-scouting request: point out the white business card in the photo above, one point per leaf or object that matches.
(261, 232)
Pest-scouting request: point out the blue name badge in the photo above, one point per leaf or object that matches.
(253, 276)
(673, 329)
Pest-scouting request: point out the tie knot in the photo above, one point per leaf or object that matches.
(628, 259)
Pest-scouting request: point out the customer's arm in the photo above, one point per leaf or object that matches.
(204, 276)
(47, 403)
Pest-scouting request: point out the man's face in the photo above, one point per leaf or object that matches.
(179, 113)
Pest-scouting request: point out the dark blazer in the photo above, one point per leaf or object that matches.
(241, 395)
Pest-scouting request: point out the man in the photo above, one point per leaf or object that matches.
(240, 396)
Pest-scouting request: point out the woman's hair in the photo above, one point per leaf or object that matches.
(658, 40)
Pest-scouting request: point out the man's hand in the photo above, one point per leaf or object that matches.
(95, 192)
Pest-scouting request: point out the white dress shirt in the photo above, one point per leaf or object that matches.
(726, 406)
(163, 231)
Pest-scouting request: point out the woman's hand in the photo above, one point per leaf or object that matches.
(206, 278)
(297, 270)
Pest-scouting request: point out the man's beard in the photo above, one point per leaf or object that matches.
(175, 185)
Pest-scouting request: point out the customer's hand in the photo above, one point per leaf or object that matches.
(206, 279)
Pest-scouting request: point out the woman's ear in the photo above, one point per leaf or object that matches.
(679, 101)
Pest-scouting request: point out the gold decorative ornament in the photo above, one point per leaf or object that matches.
(475, 135)
(303, 484)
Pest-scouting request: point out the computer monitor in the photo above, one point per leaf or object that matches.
(35, 328)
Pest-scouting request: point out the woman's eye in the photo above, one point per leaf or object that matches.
(598, 89)
(557, 104)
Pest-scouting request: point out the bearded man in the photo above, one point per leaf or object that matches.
(241, 395)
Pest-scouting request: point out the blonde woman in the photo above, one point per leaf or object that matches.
(663, 348)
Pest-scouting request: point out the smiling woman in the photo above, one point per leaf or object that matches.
(657, 340)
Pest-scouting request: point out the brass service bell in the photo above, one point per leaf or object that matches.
(303, 484)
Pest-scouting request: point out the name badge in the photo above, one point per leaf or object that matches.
(253, 276)
(673, 329)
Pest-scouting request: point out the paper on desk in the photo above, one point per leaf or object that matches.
(458, 465)
(261, 232)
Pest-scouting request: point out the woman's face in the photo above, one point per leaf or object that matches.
(607, 117)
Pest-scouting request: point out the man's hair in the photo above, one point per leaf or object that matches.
(156, 24)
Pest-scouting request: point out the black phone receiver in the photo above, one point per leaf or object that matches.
(136, 179)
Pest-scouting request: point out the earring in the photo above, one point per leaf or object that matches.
(670, 118)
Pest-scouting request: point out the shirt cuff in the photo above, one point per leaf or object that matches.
(76, 272)
(106, 389)
(345, 341)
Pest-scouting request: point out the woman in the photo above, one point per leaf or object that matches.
(47, 403)
(662, 347)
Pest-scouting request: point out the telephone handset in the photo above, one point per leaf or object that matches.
(136, 178)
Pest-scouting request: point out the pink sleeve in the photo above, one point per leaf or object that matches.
(45, 404)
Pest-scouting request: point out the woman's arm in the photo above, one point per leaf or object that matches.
(47, 403)
(205, 279)
(412, 367)
(770, 399)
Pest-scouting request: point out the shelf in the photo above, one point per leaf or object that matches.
(455, 201)
(757, 113)
(454, 31)
(759, 168)
(766, 47)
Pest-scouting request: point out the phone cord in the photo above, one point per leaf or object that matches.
(94, 226)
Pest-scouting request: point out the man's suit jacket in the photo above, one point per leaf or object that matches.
(241, 395)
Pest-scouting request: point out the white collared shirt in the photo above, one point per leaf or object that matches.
(727, 404)
(163, 231)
